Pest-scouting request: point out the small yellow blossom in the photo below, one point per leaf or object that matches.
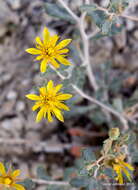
(50, 102)
(49, 52)
(121, 167)
(9, 179)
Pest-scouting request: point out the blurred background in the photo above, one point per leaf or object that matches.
(55, 146)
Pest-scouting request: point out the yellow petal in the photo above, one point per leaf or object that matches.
(2, 169)
(50, 85)
(57, 88)
(120, 178)
(62, 60)
(62, 106)
(38, 58)
(42, 91)
(54, 63)
(46, 36)
(38, 41)
(53, 40)
(15, 173)
(63, 43)
(64, 96)
(127, 165)
(58, 114)
(126, 173)
(40, 115)
(18, 187)
(33, 97)
(43, 65)
(36, 106)
(63, 51)
(33, 51)
(50, 119)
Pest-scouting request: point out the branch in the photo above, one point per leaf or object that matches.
(130, 17)
(119, 15)
(76, 18)
(86, 47)
(44, 182)
(85, 39)
(93, 33)
(110, 110)
(121, 117)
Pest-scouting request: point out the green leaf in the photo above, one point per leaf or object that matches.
(79, 76)
(74, 54)
(88, 8)
(108, 26)
(88, 155)
(78, 110)
(58, 12)
(79, 182)
(99, 35)
(28, 184)
(98, 117)
(41, 173)
(99, 17)
(115, 5)
(68, 172)
(115, 28)
(132, 137)
(93, 185)
(54, 187)
(84, 172)
(135, 157)
(118, 104)
(109, 172)
(116, 83)
(79, 163)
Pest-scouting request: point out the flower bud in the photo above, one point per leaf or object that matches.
(114, 133)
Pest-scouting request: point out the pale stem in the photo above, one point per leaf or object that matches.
(85, 39)
(86, 47)
(110, 110)
(95, 101)
(119, 15)
(76, 18)
(44, 182)
(130, 17)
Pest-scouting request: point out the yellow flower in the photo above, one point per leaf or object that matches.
(50, 102)
(9, 179)
(120, 167)
(49, 52)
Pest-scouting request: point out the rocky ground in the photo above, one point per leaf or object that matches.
(35, 144)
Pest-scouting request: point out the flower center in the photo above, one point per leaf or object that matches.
(7, 181)
(47, 51)
(48, 99)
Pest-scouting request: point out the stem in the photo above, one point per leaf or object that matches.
(93, 33)
(130, 17)
(85, 40)
(110, 110)
(76, 18)
(44, 182)
(119, 15)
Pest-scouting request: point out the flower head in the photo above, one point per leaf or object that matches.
(9, 179)
(121, 167)
(50, 102)
(49, 52)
